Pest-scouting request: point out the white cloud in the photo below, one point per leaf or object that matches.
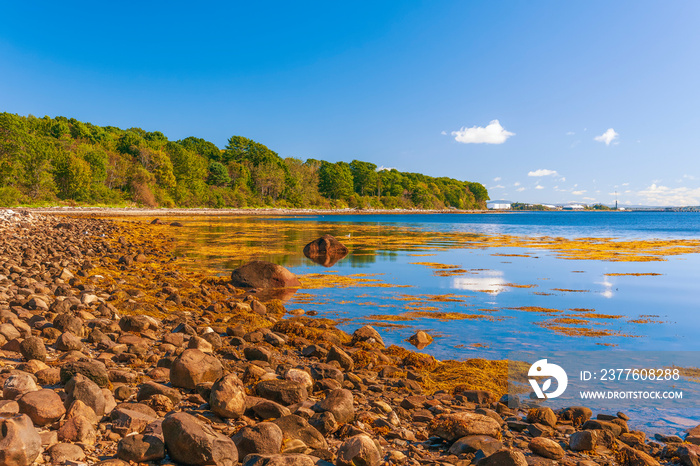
(444, 133)
(562, 179)
(688, 177)
(578, 193)
(520, 189)
(497, 179)
(517, 183)
(607, 137)
(382, 167)
(498, 186)
(589, 198)
(570, 133)
(493, 133)
(539, 187)
(542, 172)
(663, 195)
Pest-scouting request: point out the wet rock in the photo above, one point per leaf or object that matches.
(193, 367)
(577, 414)
(582, 441)
(420, 339)
(227, 398)
(367, 334)
(632, 457)
(263, 438)
(43, 406)
(474, 443)
(359, 450)
(454, 426)
(191, 442)
(596, 424)
(326, 251)
(20, 443)
(82, 388)
(543, 416)
(285, 392)
(261, 274)
(340, 403)
(545, 447)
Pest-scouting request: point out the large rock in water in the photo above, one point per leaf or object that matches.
(261, 274)
(20, 443)
(325, 250)
(191, 442)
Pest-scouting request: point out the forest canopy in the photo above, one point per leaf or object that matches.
(46, 161)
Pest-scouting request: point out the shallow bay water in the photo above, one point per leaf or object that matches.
(441, 273)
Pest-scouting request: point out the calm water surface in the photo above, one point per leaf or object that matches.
(642, 313)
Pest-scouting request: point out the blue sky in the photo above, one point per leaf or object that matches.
(510, 94)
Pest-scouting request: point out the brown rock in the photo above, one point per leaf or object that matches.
(263, 438)
(191, 442)
(543, 416)
(285, 392)
(63, 452)
(547, 448)
(325, 251)
(261, 274)
(33, 348)
(367, 334)
(227, 398)
(20, 443)
(43, 406)
(340, 403)
(193, 367)
(453, 426)
(631, 457)
(504, 457)
(420, 339)
(18, 384)
(78, 429)
(82, 388)
(360, 449)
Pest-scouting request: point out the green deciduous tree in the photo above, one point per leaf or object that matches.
(218, 175)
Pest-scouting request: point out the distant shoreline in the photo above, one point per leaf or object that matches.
(174, 212)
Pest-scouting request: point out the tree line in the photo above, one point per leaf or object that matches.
(51, 160)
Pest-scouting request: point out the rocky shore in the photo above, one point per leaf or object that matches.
(112, 354)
